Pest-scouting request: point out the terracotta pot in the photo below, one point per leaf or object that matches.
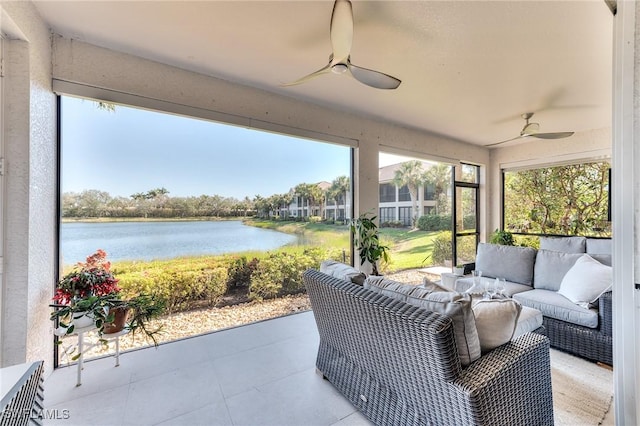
(119, 320)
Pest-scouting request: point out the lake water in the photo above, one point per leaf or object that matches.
(164, 240)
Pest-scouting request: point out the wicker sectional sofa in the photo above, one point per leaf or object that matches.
(400, 364)
(534, 278)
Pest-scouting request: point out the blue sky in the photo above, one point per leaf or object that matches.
(133, 150)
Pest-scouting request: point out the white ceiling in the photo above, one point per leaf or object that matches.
(468, 68)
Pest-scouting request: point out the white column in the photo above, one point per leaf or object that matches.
(626, 228)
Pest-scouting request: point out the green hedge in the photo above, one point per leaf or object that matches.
(181, 284)
(434, 222)
(187, 283)
(442, 248)
(280, 273)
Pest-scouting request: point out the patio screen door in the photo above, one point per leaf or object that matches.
(466, 209)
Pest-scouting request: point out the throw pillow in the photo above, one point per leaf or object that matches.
(440, 300)
(586, 281)
(342, 271)
(457, 307)
(389, 288)
(513, 263)
(551, 267)
(430, 286)
(564, 244)
(496, 322)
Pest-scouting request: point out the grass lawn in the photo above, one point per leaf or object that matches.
(408, 248)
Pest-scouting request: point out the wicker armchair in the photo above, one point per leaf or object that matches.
(398, 364)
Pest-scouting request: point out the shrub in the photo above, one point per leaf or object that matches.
(434, 222)
(181, 285)
(527, 241)
(186, 283)
(392, 224)
(469, 221)
(442, 248)
(466, 248)
(504, 238)
(268, 278)
(281, 273)
(240, 271)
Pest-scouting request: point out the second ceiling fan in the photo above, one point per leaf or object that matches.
(532, 130)
(341, 32)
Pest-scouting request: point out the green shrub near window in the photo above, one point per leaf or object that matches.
(434, 222)
(442, 248)
(240, 271)
(179, 288)
(187, 283)
(280, 274)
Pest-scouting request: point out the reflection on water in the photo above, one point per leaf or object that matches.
(163, 240)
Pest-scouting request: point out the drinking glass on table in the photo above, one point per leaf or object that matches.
(477, 287)
(500, 286)
(490, 288)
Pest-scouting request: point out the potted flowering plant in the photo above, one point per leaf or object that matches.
(89, 295)
(90, 278)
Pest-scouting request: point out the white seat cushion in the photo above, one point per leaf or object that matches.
(529, 320)
(554, 305)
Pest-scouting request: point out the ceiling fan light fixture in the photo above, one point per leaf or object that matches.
(339, 68)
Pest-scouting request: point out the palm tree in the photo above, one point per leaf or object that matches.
(439, 175)
(413, 176)
(303, 190)
(340, 186)
(260, 205)
(316, 197)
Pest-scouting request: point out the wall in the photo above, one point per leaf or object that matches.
(30, 188)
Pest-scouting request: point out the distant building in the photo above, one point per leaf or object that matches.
(395, 202)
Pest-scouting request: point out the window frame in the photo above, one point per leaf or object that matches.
(454, 208)
(504, 171)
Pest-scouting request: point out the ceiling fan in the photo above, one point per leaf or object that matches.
(531, 130)
(341, 32)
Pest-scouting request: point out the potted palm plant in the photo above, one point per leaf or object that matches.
(367, 241)
(88, 296)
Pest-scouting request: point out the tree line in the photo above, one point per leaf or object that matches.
(157, 203)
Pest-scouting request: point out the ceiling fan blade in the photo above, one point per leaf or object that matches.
(557, 135)
(373, 78)
(341, 31)
(311, 76)
(508, 140)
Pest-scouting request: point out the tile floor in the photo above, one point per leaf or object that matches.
(262, 374)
